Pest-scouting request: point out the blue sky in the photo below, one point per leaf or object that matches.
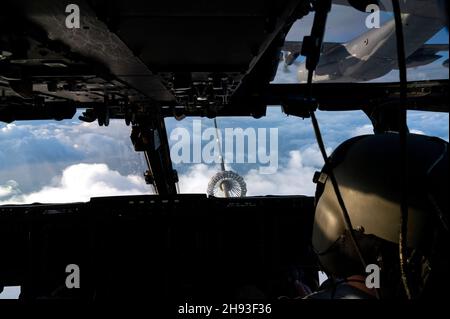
(71, 161)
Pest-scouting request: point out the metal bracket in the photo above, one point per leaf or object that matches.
(149, 136)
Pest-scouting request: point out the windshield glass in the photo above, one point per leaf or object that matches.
(69, 161)
(361, 46)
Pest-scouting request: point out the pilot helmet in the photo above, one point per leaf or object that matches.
(368, 172)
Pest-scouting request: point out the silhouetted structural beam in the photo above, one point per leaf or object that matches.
(150, 137)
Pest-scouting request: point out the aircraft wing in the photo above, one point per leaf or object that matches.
(430, 9)
(292, 46)
(341, 2)
(359, 5)
(293, 49)
(426, 54)
(296, 46)
(435, 47)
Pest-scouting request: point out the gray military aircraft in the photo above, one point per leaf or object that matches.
(373, 53)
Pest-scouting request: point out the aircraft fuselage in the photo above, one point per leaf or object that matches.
(374, 53)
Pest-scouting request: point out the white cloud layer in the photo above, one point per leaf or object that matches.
(40, 162)
(293, 179)
(9, 189)
(80, 182)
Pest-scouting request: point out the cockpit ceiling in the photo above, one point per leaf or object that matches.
(159, 58)
(160, 48)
